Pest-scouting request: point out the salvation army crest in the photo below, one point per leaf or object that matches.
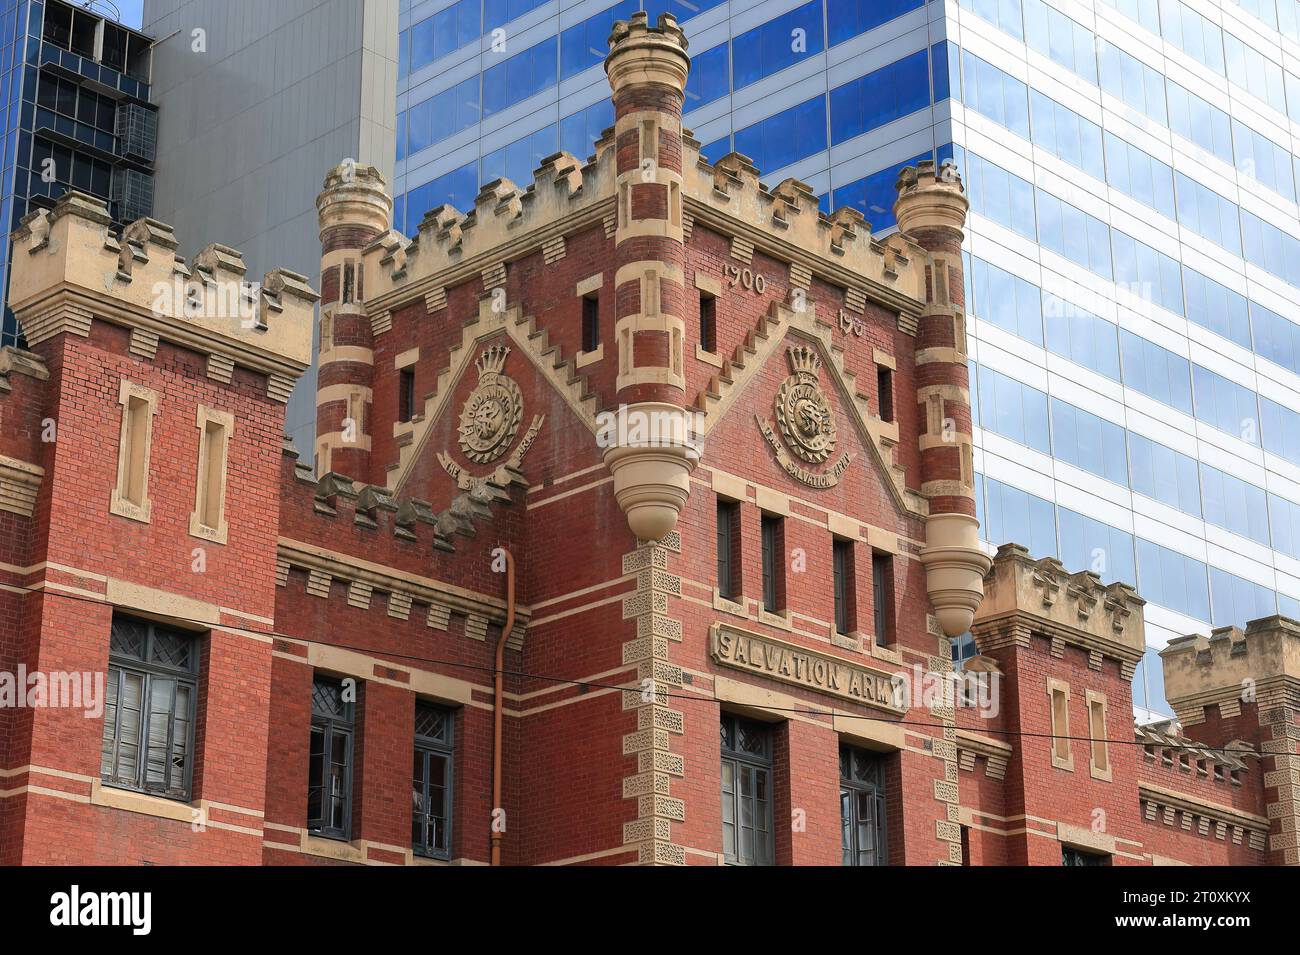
(806, 423)
(491, 416)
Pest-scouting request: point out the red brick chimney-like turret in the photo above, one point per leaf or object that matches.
(647, 68)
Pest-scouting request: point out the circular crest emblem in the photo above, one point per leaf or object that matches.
(491, 416)
(802, 411)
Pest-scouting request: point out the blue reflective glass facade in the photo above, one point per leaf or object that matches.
(1133, 251)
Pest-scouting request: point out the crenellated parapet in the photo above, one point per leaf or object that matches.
(567, 196)
(507, 223)
(1025, 597)
(786, 223)
(74, 270)
(1232, 667)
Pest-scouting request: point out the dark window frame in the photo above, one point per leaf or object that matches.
(590, 323)
(426, 750)
(150, 672)
(759, 766)
(1070, 856)
(855, 787)
(843, 576)
(406, 393)
(885, 392)
(329, 726)
(773, 535)
(728, 527)
(882, 596)
(708, 323)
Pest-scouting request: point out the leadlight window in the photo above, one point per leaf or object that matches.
(329, 767)
(148, 742)
(1072, 856)
(747, 836)
(862, 807)
(431, 781)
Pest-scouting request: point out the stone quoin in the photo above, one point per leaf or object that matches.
(726, 439)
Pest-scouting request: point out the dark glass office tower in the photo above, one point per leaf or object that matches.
(74, 93)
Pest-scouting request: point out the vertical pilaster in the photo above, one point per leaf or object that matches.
(656, 720)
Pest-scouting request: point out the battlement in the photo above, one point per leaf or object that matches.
(1231, 667)
(72, 268)
(1024, 596)
(567, 196)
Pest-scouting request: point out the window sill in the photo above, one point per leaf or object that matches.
(585, 358)
(128, 800)
(710, 357)
(737, 608)
(124, 508)
(333, 847)
(216, 535)
(780, 619)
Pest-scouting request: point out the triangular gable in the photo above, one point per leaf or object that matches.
(531, 341)
(780, 323)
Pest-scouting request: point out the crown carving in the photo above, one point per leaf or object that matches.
(492, 360)
(804, 360)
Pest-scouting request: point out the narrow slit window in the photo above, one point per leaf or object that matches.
(349, 283)
(590, 323)
(728, 549)
(842, 559)
(885, 389)
(882, 594)
(708, 323)
(406, 394)
(773, 563)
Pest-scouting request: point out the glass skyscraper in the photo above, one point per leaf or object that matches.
(1133, 249)
(74, 94)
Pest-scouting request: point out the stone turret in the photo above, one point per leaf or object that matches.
(647, 68)
(353, 210)
(931, 209)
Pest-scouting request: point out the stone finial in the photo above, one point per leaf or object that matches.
(930, 198)
(641, 54)
(354, 195)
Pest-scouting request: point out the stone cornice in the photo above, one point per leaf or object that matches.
(20, 482)
(996, 753)
(364, 577)
(15, 361)
(1168, 799)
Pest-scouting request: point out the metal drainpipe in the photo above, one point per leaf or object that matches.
(498, 703)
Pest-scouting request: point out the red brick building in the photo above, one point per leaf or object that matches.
(719, 445)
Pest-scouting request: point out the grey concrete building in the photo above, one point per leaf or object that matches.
(262, 99)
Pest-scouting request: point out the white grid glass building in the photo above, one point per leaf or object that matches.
(1133, 250)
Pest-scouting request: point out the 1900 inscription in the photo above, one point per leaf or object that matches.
(809, 669)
